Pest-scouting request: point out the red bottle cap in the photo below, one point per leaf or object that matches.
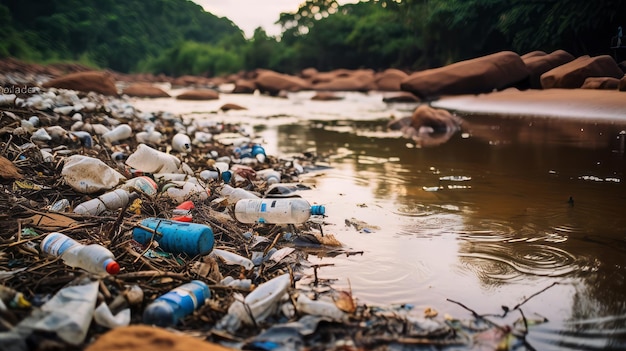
(111, 266)
(187, 205)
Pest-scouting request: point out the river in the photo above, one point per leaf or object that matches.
(501, 210)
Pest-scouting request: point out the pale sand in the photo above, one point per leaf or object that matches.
(588, 104)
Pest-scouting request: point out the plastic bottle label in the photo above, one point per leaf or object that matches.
(58, 244)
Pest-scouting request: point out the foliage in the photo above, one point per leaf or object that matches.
(177, 37)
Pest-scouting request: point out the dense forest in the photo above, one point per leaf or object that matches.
(178, 37)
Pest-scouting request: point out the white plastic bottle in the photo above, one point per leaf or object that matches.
(181, 142)
(93, 258)
(112, 200)
(269, 175)
(235, 194)
(121, 132)
(276, 211)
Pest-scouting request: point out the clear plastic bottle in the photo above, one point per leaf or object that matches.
(235, 194)
(93, 258)
(276, 211)
(109, 201)
(170, 308)
(269, 175)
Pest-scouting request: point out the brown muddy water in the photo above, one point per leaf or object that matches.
(495, 213)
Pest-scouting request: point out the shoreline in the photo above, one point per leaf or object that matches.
(580, 104)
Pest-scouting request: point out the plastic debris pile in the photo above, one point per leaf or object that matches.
(113, 217)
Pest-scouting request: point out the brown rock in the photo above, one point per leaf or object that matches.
(273, 82)
(96, 81)
(199, 94)
(622, 84)
(602, 83)
(531, 54)
(244, 86)
(403, 96)
(144, 90)
(231, 106)
(309, 72)
(437, 119)
(360, 80)
(540, 64)
(475, 76)
(187, 81)
(141, 337)
(572, 75)
(326, 96)
(390, 79)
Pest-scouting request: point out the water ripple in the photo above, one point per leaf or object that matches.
(506, 261)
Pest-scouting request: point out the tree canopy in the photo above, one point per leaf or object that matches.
(178, 37)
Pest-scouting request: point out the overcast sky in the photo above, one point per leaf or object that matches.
(250, 14)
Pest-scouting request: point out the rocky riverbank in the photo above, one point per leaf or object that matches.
(51, 115)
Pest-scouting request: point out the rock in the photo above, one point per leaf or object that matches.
(141, 337)
(533, 54)
(329, 76)
(309, 72)
(361, 80)
(144, 90)
(273, 82)
(403, 96)
(390, 79)
(231, 106)
(187, 81)
(96, 81)
(440, 121)
(475, 76)
(540, 64)
(244, 86)
(622, 84)
(603, 83)
(199, 94)
(326, 96)
(572, 75)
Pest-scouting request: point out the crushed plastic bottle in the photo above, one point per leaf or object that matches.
(93, 258)
(170, 308)
(276, 211)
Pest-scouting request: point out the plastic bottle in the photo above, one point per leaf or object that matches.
(142, 184)
(151, 160)
(121, 132)
(176, 237)
(276, 211)
(258, 152)
(208, 175)
(93, 258)
(235, 194)
(169, 309)
(181, 191)
(232, 258)
(112, 200)
(258, 305)
(270, 176)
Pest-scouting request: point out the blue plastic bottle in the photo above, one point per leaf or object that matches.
(167, 310)
(176, 237)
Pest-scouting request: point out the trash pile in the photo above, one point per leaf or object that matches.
(112, 217)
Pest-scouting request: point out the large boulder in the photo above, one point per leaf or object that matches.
(622, 84)
(145, 90)
(390, 79)
(427, 126)
(572, 75)
(274, 82)
(532, 54)
(96, 81)
(401, 96)
(475, 76)
(360, 80)
(199, 94)
(602, 83)
(540, 64)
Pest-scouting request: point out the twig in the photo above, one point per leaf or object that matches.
(478, 316)
(533, 295)
(150, 274)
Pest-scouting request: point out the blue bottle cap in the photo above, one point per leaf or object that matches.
(226, 176)
(317, 210)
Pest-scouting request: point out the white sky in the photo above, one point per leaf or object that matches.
(250, 14)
